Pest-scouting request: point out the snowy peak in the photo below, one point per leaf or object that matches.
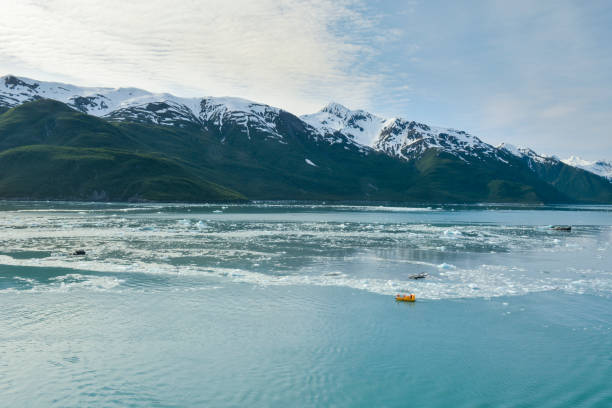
(14, 90)
(396, 137)
(137, 105)
(18, 84)
(336, 109)
(512, 149)
(247, 115)
(410, 139)
(527, 153)
(600, 167)
(94, 101)
(359, 126)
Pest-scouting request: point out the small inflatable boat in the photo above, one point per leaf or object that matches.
(405, 298)
(418, 276)
(562, 228)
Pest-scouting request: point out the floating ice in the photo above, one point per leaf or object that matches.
(446, 266)
(452, 233)
(349, 248)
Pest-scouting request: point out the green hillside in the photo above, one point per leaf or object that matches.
(485, 181)
(42, 171)
(54, 123)
(578, 184)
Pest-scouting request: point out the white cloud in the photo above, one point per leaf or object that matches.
(290, 53)
(535, 73)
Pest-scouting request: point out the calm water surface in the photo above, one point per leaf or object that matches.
(275, 304)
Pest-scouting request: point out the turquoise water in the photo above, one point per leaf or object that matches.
(274, 304)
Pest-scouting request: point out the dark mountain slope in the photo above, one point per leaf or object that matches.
(578, 184)
(487, 180)
(575, 183)
(50, 122)
(42, 172)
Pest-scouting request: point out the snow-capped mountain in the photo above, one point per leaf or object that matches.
(137, 105)
(601, 167)
(406, 139)
(245, 114)
(93, 101)
(396, 137)
(335, 123)
(410, 139)
(243, 146)
(360, 126)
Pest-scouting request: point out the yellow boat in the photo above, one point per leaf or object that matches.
(405, 298)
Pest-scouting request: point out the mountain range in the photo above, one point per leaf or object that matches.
(60, 141)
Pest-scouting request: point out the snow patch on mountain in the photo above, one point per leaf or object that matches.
(512, 149)
(166, 113)
(532, 158)
(600, 167)
(527, 152)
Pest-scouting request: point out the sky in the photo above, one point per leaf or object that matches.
(536, 74)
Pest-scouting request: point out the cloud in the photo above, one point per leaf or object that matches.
(556, 82)
(289, 53)
(531, 73)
